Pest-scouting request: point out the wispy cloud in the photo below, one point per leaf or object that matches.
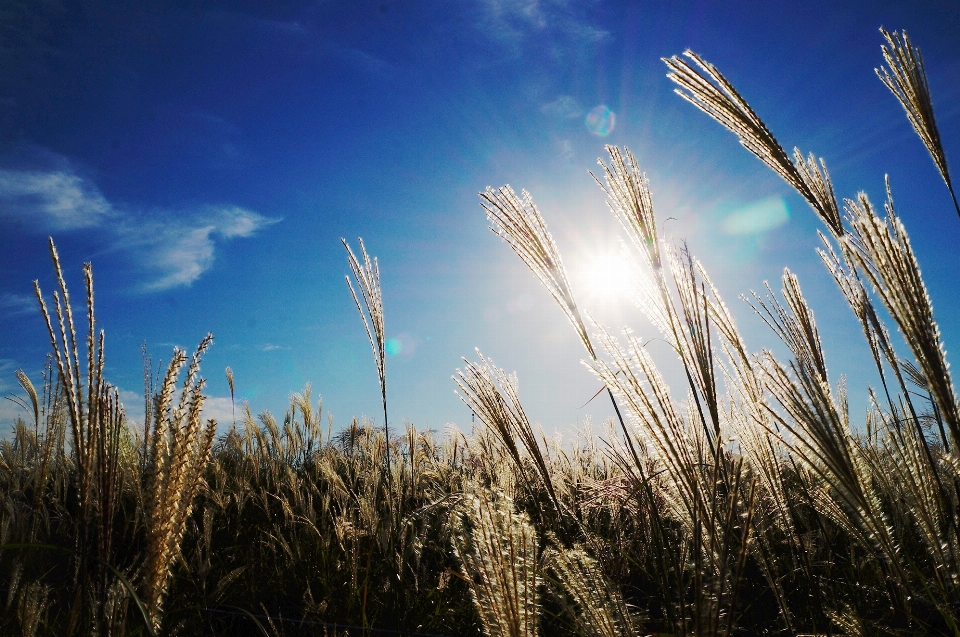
(514, 21)
(564, 107)
(173, 248)
(58, 200)
(18, 304)
(221, 409)
(176, 251)
(270, 347)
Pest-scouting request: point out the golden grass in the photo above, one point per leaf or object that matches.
(746, 501)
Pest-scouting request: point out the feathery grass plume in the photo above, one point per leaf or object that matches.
(713, 94)
(518, 222)
(630, 201)
(233, 405)
(903, 468)
(712, 497)
(645, 394)
(878, 338)
(97, 424)
(747, 422)
(907, 80)
(817, 419)
(497, 547)
(599, 609)
(881, 248)
(694, 339)
(64, 345)
(24, 381)
(179, 448)
(629, 198)
(687, 329)
(492, 394)
(368, 280)
(916, 377)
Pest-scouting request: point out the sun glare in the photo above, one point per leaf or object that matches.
(608, 277)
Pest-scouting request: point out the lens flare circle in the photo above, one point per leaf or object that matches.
(601, 120)
(393, 346)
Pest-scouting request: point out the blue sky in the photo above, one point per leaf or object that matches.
(208, 156)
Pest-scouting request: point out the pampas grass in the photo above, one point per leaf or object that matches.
(906, 78)
(750, 499)
(368, 280)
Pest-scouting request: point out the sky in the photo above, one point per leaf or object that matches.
(207, 158)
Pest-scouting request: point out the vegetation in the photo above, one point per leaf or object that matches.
(751, 505)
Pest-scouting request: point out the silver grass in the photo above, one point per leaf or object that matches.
(599, 607)
(908, 474)
(817, 420)
(492, 394)
(517, 221)
(687, 329)
(712, 498)
(630, 201)
(712, 93)
(795, 325)
(24, 381)
(907, 80)
(881, 249)
(498, 549)
(368, 280)
(694, 339)
(747, 412)
(632, 374)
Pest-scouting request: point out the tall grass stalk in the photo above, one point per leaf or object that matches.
(368, 280)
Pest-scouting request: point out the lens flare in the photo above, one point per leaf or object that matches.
(601, 120)
(393, 346)
(758, 217)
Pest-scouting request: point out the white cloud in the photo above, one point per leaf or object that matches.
(220, 408)
(175, 249)
(57, 200)
(270, 347)
(177, 252)
(238, 222)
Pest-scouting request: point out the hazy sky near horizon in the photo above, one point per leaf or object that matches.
(207, 157)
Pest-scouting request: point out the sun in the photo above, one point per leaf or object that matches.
(608, 277)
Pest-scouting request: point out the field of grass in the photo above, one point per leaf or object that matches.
(744, 503)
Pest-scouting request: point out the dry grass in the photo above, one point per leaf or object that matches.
(746, 501)
(907, 80)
